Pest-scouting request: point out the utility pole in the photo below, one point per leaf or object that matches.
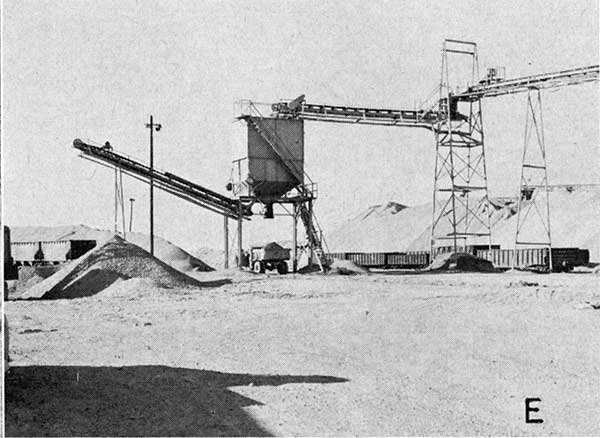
(226, 241)
(131, 201)
(152, 126)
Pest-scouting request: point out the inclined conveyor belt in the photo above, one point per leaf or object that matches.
(166, 181)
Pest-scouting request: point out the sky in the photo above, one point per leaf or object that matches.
(97, 70)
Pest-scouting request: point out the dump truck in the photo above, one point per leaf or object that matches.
(270, 256)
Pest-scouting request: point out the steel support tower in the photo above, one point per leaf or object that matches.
(534, 229)
(460, 189)
(461, 208)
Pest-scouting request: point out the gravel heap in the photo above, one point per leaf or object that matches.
(460, 261)
(115, 261)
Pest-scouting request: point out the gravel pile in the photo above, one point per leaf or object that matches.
(115, 261)
(460, 261)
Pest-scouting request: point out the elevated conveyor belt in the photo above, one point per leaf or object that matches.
(298, 108)
(542, 81)
(358, 115)
(166, 181)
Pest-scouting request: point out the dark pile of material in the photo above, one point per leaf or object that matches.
(460, 261)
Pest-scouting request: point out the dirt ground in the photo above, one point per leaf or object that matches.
(445, 354)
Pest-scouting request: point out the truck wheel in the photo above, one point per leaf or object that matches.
(282, 268)
(259, 268)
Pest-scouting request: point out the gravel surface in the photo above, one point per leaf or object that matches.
(446, 354)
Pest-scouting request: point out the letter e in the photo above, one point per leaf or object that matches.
(529, 409)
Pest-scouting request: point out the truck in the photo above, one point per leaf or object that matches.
(270, 256)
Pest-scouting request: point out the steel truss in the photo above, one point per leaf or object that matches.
(460, 194)
(534, 230)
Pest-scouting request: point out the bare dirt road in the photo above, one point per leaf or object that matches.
(446, 354)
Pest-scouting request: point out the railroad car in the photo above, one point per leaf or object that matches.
(49, 252)
(563, 259)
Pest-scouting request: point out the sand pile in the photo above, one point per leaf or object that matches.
(214, 257)
(573, 219)
(110, 263)
(388, 228)
(169, 253)
(460, 261)
(380, 228)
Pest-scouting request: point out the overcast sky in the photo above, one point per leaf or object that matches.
(96, 70)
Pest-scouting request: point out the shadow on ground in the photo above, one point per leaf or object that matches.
(133, 401)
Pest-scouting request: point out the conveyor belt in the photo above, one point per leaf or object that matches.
(166, 181)
(525, 83)
(358, 115)
(298, 108)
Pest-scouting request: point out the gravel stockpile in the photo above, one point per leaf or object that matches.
(460, 261)
(110, 263)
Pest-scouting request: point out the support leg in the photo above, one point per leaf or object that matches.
(295, 239)
(310, 234)
(116, 199)
(240, 248)
(122, 202)
(226, 242)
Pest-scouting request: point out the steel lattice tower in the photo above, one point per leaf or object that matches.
(461, 211)
(534, 230)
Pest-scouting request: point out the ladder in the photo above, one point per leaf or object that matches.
(315, 236)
